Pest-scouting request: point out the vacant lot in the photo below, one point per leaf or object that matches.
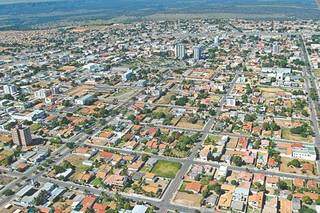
(184, 123)
(167, 169)
(165, 110)
(121, 95)
(166, 99)
(5, 179)
(317, 71)
(215, 98)
(270, 92)
(286, 134)
(290, 169)
(184, 198)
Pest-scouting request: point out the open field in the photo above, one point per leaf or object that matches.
(162, 109)
(166, 99)
(289, 169)
(75, 160)
(286, 134)
(187, 199)
(270, 92)
(270, 89)
(184, 123)
(5, 179)
(317, 71)
(166, 169)
(212, 139)
(122, 93)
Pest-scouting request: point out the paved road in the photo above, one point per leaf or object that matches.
(175, 183)
(57, 156)
(133, 152)
(165, 203)
(307, 73)
(32, 172)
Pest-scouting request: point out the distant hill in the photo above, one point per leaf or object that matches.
(30, 13)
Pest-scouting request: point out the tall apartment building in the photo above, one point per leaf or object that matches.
(180, 51)
(216, 41)
(10, 89)
(22, 135)
(197, 53)
(42, 93)
(275, 48)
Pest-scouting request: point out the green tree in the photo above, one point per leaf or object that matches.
(41, 198)
(217, 188)
(182, 101)
(307, 200)
(205, 193)
(237, 160)
(8, 192)
(295, 163)
(8, 97)
(282, 185)
(234, 182)
(70, 145)
(306, 209)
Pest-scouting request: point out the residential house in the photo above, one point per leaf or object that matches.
(194, 187)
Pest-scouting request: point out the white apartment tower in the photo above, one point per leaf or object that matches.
(197, 53)
(180, 51)
(10, 89)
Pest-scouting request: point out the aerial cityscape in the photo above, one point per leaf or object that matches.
(161, 115)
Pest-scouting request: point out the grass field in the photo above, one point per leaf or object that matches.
(35, 127)
(97, 182)
(212, 139)
(167, 169)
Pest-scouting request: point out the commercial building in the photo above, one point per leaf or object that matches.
(85, 100)
(127, 75)
(306, 152)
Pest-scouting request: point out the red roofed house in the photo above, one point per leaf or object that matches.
(88, 202)
(193, 187)
(100, 208)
